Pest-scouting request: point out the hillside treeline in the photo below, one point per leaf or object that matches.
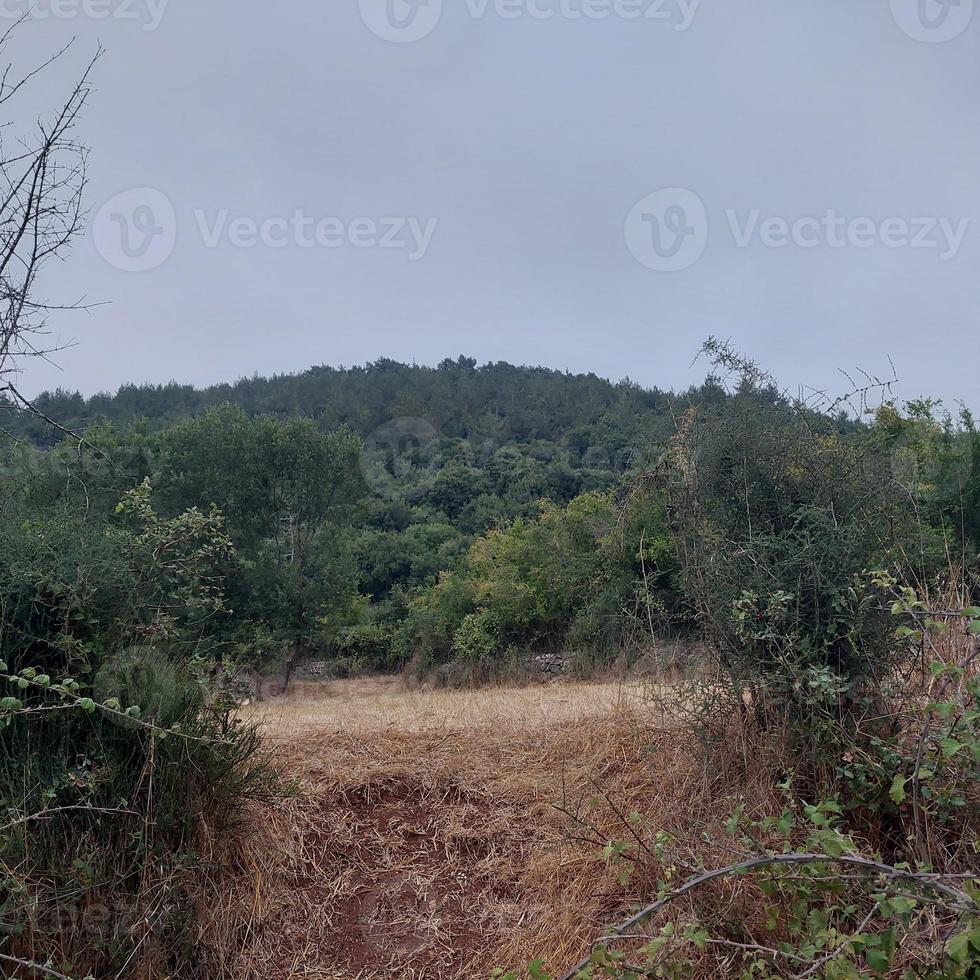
(499, 402)
(523, 512)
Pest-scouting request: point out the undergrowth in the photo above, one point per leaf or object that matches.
(111, 810)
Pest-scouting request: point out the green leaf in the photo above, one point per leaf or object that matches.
(877, 960)
(902, 904)
(733, 821)
(958, 947)
(897, 791)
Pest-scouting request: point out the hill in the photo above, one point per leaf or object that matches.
(497, 401)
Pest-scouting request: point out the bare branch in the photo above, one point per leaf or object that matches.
(42, 184)
(959, 899)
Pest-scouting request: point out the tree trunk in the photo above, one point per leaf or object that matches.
(288, 665)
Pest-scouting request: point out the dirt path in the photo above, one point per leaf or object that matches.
(423, 840)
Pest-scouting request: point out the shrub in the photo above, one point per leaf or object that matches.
(110, 806)
(778, 517)
(594, 573)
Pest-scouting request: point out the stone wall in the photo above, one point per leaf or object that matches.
(552, 664)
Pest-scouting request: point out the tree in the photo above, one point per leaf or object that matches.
(287, 490)
(43, 179)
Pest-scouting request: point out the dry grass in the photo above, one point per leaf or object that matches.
(427, 838)
(375, 705)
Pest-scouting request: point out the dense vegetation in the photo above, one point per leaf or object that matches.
(492, 525)
(146, 566)
(459, 399)
(385, 476)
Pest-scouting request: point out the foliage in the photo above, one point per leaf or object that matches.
(830, 912)
(498, 403)
(72, 587)
(247, 525)
(115, 747)
(778, 516)
(832, 905)
(573, 575)
(104, 791)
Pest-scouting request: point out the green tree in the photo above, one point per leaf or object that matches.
(290, 492)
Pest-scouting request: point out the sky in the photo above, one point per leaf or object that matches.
(592, 185)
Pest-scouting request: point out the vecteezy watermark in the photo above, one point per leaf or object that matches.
(148, 13)
(401, 21)
(932, 21)
(121, 920)
(929, 465)
(308, 231)
(833, 230)
(405, 21)
(390, 443)
(401, 916)
(136, 231)
(668, 231)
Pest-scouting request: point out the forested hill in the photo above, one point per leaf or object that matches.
(497, 401)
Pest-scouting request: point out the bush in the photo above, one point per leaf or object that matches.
(779, 517)
(111, 805)
(595, 573)
(119, 760)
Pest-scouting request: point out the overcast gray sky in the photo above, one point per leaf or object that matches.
(594, 185)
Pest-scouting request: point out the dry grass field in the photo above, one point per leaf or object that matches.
(379, 704)
(428, 833)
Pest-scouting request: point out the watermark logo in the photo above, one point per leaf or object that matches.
(402, 917)
(932, 21)
(136, 231)
(148, 13)
(391, 443)
(931, 466)
(679, 13)
(667, 231)
(401, 21)
(410, 234)
(404, 21)
(830, 229)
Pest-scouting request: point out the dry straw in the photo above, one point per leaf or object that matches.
(430, 834)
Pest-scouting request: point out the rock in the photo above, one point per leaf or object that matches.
(551, 664)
